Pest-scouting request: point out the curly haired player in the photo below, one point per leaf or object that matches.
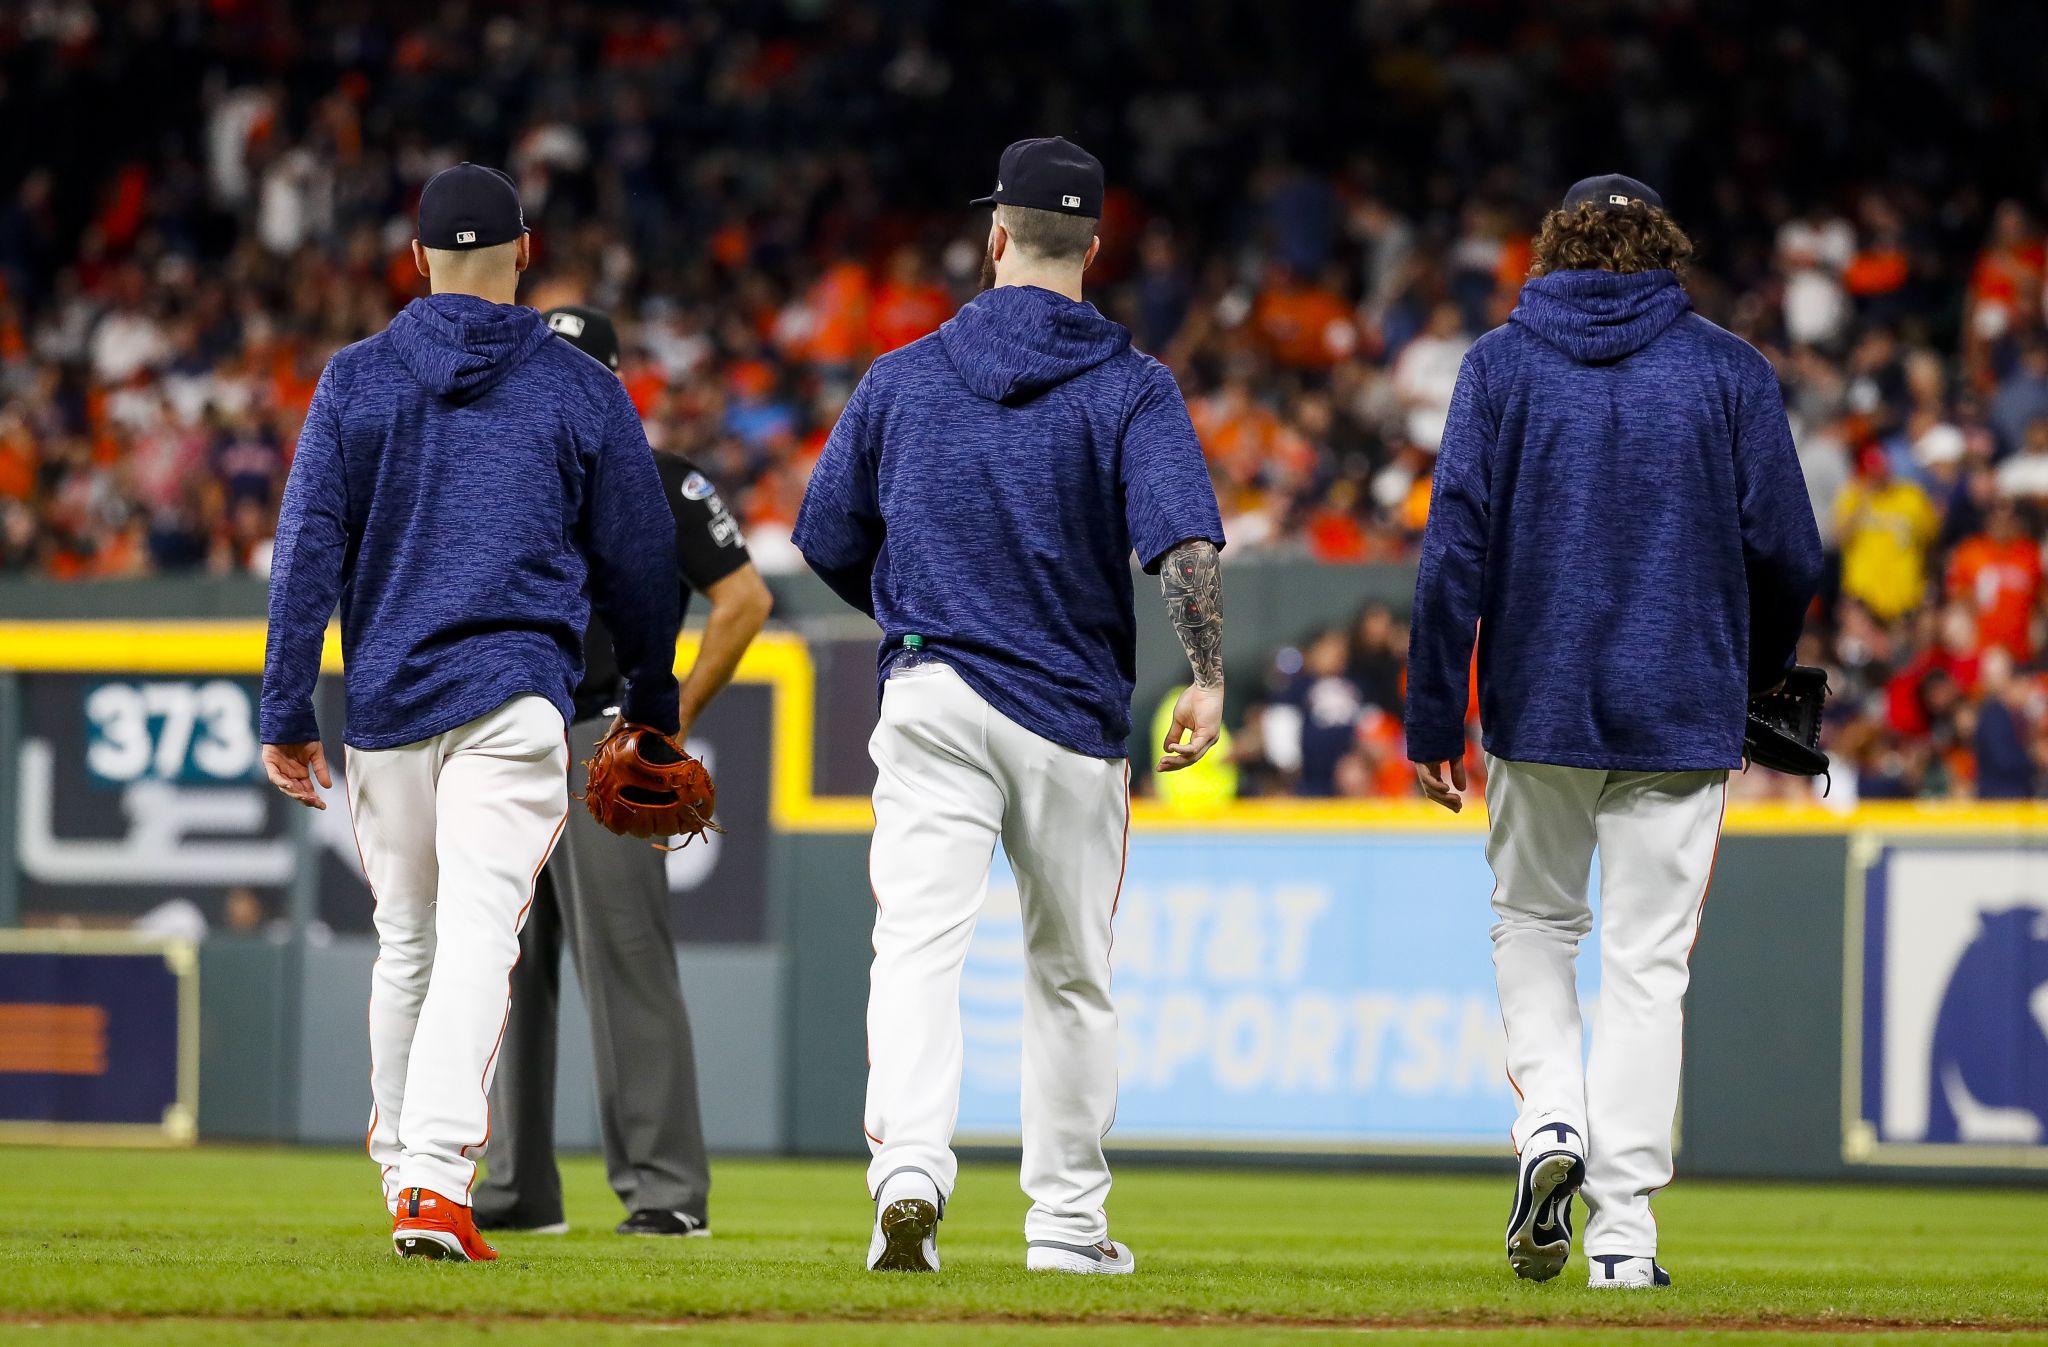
(459, 478)
(1619, 513)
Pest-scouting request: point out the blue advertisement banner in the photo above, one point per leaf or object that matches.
(1288, 991)
(1946, 1040)
(98, 1035)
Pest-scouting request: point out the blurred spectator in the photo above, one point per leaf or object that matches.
(1304, 324)
(2005, 761)
(2022, 398)
(1379, 656)
(1426, 374)
(1998, 571)
(1884, 526)
(907, 305)
(2025, 474)
(1311, 719)
(1813, 252)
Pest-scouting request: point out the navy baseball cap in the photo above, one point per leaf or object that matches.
(1610, 190)
(469, 206)
(588, 330)
(1049, 173)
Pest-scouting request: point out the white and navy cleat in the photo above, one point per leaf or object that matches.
(1540, 1227)
(1632, 1272)
(907, 1212)
(1105, 1256)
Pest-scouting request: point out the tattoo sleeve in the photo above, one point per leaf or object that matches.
(1192, 581)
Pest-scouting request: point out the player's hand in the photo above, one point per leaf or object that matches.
(1443, 786)
(292, 768)
(1197, 718)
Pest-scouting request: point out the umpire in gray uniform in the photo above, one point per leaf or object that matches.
(608, 897)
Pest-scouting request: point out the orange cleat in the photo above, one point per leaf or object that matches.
(428, 1225)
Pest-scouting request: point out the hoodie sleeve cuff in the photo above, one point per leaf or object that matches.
(295, 726)
(1432, 747)
(654, 707)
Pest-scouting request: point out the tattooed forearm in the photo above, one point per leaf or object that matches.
(1192, 581)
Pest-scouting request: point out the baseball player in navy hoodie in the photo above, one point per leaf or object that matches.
(981, 497)
(466, 485)
(1619, 513)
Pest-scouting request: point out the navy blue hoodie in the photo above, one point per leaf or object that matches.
(1619, 510)
(984, 489)
(460, 477)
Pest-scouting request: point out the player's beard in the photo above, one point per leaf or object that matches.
(988, 266)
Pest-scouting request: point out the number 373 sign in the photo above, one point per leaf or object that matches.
(134, 790)
(192, 732)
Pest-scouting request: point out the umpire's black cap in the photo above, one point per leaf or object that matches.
(1049, 173)
(468, 207)
(1610, 190)
(588, 330)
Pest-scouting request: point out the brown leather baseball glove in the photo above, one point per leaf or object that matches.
(642, 784)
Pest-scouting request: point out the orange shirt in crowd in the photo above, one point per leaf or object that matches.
(1305, 326)
(1414, 511)
(2010, 274)
(1384, 748)
(121, 555)
(1516, 253)
(2003, 580)
(402, 280)
(775, 498)
(905, 311)
(1877, 271)
(17, 464)
(1337, 536)
(1236, 432)
(292, 387)
(645, 383)
(838, 302)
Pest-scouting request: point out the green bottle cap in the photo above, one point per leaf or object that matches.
(913, 642)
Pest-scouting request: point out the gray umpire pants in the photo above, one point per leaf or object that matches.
(608, 897)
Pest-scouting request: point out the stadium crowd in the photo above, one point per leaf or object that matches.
(1315, 208)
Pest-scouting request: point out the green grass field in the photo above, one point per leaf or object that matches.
(289, 1246)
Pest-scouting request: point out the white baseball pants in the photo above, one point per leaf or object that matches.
(956, 776)
(453, 831)
(1657, 833)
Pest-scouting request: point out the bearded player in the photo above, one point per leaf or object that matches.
(1619, 512)
(460, 478)
(981, 497)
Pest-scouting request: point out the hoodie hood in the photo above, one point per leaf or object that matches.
(1012, 343)
(1598, 317)
(459, 347)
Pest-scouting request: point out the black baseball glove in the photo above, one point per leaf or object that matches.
(1783, 731)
